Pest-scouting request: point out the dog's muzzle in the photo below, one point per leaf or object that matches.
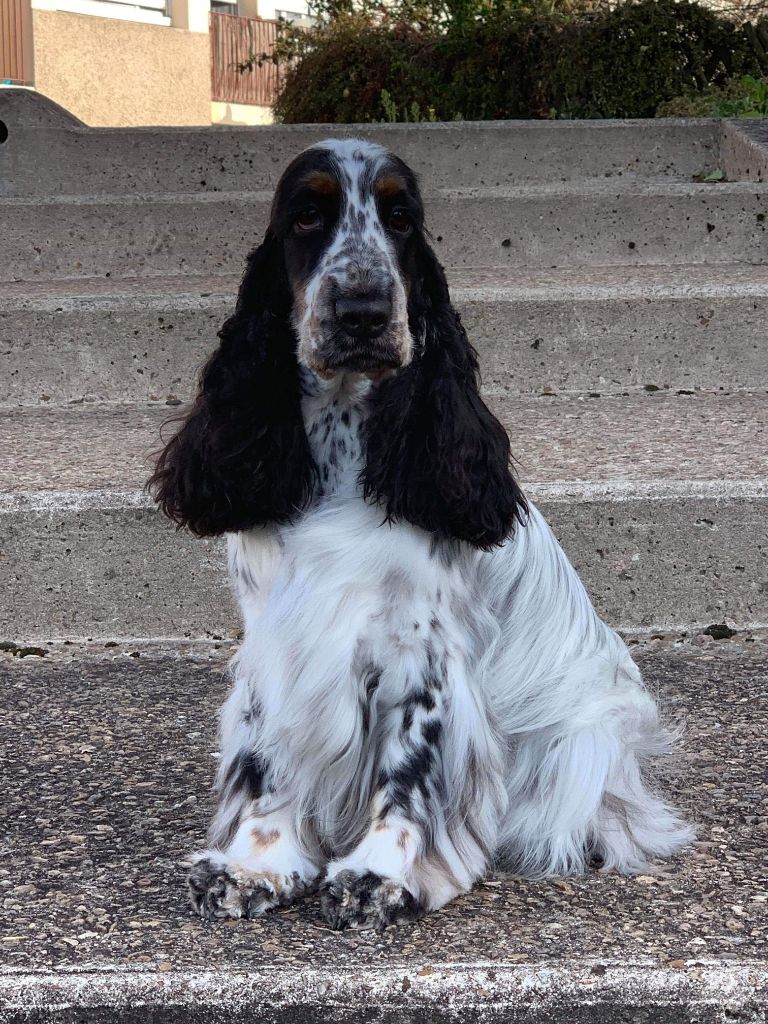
(362, 342)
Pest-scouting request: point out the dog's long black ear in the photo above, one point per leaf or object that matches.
(241, 457)
(436, 456)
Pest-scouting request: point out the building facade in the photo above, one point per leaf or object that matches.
(145, 62)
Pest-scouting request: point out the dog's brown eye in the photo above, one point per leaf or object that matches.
(400, 221)
(309, 219)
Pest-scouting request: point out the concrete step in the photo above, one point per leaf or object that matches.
(107, 766)
(575, 224)
(41, 161)
(661, 501)
(605, 330)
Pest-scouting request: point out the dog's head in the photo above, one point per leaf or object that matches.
(344, 282)
(345, 214)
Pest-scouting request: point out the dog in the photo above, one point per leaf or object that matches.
(424, 688)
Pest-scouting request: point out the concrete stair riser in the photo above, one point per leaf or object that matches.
(638, 439)
(744, 149)
(107, 565)
(150, 348)
(59, 161)
(198, 234)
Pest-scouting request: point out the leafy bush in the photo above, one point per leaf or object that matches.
(627, 62)
(739, 97)
(486, 59)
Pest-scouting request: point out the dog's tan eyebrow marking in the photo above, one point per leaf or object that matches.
(322, 183)
(389, 185)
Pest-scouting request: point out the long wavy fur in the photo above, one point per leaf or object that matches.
(436, 456)
(241, 458)
(403, 712)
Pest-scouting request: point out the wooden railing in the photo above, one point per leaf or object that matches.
(16, 42)
(234, 40)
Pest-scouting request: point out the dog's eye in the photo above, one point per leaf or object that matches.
(400, 221)
(309, 219)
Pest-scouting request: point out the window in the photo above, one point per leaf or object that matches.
(153, 11)
(303, 20)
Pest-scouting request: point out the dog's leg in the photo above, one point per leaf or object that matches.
(434, 815)
(263, 867)
(256, 860)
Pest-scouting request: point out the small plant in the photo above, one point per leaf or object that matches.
(753, 103)
(742, 96)
(411, 113)
(715, 177)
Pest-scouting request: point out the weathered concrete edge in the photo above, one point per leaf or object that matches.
(508, 294)
(47, 107)
(568, 190)
(560, 490)
(487, 985)
(24, 106)
(669, 640)
(744, 150)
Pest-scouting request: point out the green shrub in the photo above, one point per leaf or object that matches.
(486, 59)
(739, 97)
(629, 60)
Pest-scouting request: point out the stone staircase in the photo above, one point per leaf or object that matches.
(620, 307)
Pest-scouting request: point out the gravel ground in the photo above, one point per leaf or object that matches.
(107, 759)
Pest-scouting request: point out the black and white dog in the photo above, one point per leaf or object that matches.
(423, 687)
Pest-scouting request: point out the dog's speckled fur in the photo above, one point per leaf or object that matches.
(424, 686)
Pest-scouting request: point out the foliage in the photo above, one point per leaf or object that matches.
(752, 103)
(627, 62)
(483, 59)
(739, 97)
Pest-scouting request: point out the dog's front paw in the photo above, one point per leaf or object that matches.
(354, 900)
(219, 889)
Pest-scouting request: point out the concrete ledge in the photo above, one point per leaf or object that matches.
(585, 224)
(601, 330)
(590, 993)
(88, 565)
(472, 153)
(660, 501)
(22, 108)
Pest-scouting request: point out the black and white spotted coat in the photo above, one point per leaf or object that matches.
(407, 707)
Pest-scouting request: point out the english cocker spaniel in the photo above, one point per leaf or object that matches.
(424, 687)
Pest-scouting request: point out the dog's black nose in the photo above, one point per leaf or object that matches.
(363, 317)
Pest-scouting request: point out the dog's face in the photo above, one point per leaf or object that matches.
(344, 281)
(346, 213)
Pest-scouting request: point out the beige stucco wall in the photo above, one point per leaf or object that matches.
(119, 73)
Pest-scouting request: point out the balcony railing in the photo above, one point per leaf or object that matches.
(233, 41)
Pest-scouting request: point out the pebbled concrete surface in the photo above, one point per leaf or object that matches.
(573, 224)
(600, 330)
(106, 564)
(647, 437)
(660, 502)
(34, 162)
(106, 765)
